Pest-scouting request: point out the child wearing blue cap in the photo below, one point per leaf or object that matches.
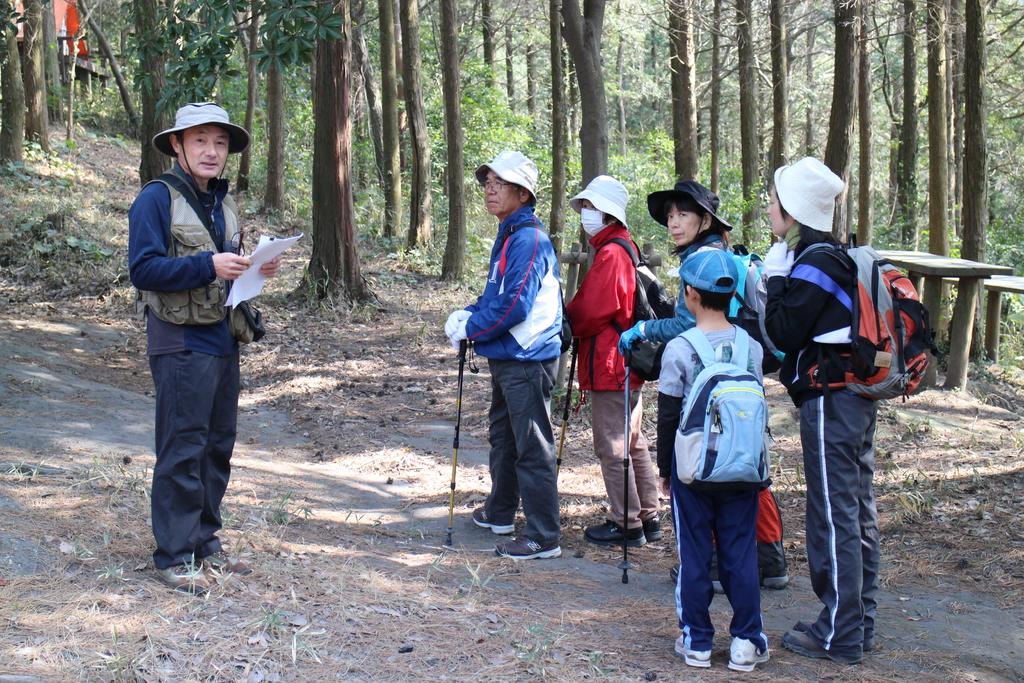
(708, 284)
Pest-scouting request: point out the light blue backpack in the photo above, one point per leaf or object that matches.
(721, 441)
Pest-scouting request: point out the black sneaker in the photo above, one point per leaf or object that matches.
(771, 563)
(804, 644)
(480, 519)
(610, 534)
(523, 548)
(652, 529)
(869, 636)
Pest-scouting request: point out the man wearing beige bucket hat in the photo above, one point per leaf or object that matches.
(183, 249)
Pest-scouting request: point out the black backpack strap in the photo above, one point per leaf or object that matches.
(629, 246)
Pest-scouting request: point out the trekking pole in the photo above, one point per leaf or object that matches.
(463, 346)
(568, 401)
(625, 566)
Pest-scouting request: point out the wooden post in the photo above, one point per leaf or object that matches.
(993, 311)
(932, 300)
(962, 330)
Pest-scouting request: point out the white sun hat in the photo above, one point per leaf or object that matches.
(197, 114)
(807, 191)
(607, 195)
(512, 167)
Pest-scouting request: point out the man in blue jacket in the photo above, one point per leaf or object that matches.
(183, 244)
(516, 324)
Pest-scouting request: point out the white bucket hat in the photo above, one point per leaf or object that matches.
(512, 167)
(607, 195)
(807, 191)
(198, 114)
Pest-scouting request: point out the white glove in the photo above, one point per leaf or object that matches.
(459, 316)
(459, 333)
(778, 261)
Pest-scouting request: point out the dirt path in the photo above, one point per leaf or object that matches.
(352, 578)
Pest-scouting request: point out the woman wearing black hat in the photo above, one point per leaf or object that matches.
(689, 211)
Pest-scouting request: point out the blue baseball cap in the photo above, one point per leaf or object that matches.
(709, 270)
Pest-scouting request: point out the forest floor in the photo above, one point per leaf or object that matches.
(339, 495)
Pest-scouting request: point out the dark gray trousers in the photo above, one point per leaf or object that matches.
(522, 458)
(196, 413)
(837, 433)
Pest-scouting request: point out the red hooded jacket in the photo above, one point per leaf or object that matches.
(603, 301)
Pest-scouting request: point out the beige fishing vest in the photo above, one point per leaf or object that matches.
(202, 305)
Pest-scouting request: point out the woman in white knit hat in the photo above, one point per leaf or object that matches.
(601, 309)
(808, 316)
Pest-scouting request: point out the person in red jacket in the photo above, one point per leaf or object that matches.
(601, 309)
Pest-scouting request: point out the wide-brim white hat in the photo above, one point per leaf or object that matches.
(807, 191)
(607, 195)
(512, 167)
(198, 114)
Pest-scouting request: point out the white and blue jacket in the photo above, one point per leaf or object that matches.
(519, 315)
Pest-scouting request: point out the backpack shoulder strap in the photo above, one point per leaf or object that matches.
(634, 256)
(699, 341)
(741, 348)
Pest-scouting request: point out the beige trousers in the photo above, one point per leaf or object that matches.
(608, 418)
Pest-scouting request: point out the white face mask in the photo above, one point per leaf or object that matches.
(592, 220)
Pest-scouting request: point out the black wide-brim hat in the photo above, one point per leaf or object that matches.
(689, 189)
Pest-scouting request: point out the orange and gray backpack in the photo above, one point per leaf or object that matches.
(890, 335)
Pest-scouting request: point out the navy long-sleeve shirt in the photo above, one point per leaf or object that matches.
(152, 269)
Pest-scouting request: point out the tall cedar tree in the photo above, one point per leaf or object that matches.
(906, 175)
(455, 246)
(559, 142)
(748, 117)
(938, 152)
(12, 96)
(389, 110)
(715, 114)
(582, 34)
(148, 18)
(36, 115)
(487, 26)
(252, 90)
(373, 107)
(684, 90)
(510, 82)
(273, 192)
(864, 227)
(334, 264)
(419, 198)
(780, 84)
(844, 104)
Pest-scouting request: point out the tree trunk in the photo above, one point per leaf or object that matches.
(455, 246)
(487, 24)
(151, 83)
(556, 225)
(780, 86)
(938, 158)
(373, 106)
(419, 200)
(252, 90)
(809, 146)
(36, 116)
(389, 110)
(748, 118)
(72, 69)
(115, 69)
(334, 265)
(621, 99)
(51, 62)
(844, 102)
(531, 81)
(12, 97)
(510, 83)
(582, 34)
(864, 225)
(956, 58)
(975, 209)
(716, 94)
(273, 194)
(906, 186)
(684, 90)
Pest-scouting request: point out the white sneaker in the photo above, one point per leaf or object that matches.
(744, 655)
(698, 658)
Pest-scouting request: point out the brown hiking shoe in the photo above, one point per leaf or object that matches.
(187, 578)
(221, 562)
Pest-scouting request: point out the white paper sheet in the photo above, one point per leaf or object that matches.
(250, 283)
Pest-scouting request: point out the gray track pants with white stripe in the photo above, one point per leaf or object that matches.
(842, 523)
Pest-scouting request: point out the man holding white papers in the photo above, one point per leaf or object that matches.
(183, 246)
